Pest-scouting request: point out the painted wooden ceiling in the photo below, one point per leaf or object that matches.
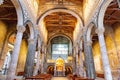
(59, 21)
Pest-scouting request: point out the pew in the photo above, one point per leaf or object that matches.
(20, 73)
(100, 75)
(40, 77)
(75, 77)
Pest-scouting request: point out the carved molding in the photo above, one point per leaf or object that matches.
(26, 15)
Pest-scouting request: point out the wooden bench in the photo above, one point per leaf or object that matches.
(79, 78)
(100, 75)
(40, 77)
(74, 77)
(70, 76)
(20, 73)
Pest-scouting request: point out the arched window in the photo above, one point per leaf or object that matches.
(60, 47)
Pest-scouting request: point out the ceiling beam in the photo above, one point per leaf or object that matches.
(114, 3)
(53, 20)
(112, 20)
(6, 6)
(57, 25)
(9, 14)
(113, 9)
(1, 18)
(112, 16)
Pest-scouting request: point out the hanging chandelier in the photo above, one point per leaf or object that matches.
(1, 2)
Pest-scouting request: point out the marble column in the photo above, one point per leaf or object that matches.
(29, 66)
(38, 59)
(105, 60)
(81, 68)
(77, 66)
(42, 60)
(89, 62)
(15, 54)
(55, 70)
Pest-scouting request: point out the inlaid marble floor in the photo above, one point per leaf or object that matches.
(59, 78)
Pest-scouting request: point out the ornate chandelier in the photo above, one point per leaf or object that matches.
(1, 2)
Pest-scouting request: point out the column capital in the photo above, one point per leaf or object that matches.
(99, 31)
(36, 27)
(89, 43)
(31, 41)
(21, 28)
(84, 29)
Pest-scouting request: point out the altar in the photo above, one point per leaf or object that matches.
(59, 69)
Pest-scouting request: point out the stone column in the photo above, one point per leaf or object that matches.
(105, 61)
(81, 68)
(90, 69)
(31, 55)
(42, 60)
(55, 70)
(15, 54)
(77, 66)
(38, 59)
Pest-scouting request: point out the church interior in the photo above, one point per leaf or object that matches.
(67, 39)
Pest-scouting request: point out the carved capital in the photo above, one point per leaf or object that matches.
(99, 31)
(21, 29)
(37, 27)
(89, 43)
(31, 41)
(84, 29)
